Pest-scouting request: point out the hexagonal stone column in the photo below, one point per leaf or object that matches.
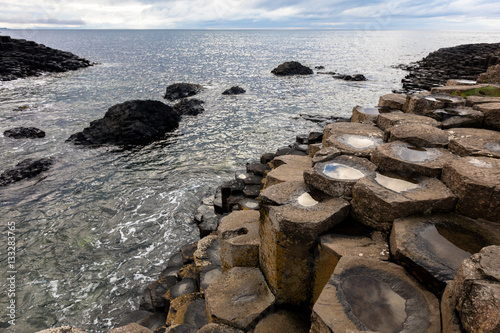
(379, 200)
(458, 117)
(388, 120)
(337, 176)
(287, 168)
(332, 247)
(238, 298)
(420, 135)
(292, 218)
(352, 138)
(239, 239)
(392, 101)
(207, 260)
(372, 295)
(474, 142)
(404, 157)
(369, 115)
(491, 113)
(476, 291)
(432, 248)
(476, 182)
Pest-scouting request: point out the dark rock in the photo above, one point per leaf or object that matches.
(315, 137)
(355, 77)
(188, 252)
(257, 168)
(234, 91)
(24, 132)
(267, 157)
(181, 90)
(132, 122)
(26, 169)
(291, 68)
(144, 318)
(319, 67)
(289, 151)
(253, 180)
(189, 107)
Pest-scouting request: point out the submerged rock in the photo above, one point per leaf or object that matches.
(26, 169)
(189, 107)
(354, 77)
(234, 91)
(24, 133)
(132, 122)
(181, 90)
(292, 68)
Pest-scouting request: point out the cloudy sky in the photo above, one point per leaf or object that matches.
(235, 14)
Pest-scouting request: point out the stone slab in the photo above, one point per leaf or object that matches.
(352, 138)
(474, 142)
(491, 113)
(419, 135)
(388, 120)
(392, 101)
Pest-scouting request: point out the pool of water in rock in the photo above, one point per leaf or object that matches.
(360, 141)
(416, 154)
(396, 184)
(307, 200)
(341, 171)
(374, 303)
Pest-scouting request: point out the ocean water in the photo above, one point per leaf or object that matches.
(95, 229)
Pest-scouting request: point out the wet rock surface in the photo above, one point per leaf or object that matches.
(129, 123)
(238, 297)
(21, 58)
(372, 295)
(433, 247)
(476, 291)
(181, 90)
(368, 114)
(26, 169)
(292, 68)
(24, 133)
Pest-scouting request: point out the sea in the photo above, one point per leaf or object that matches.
(92, 232)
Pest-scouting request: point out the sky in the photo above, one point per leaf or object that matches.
(476, 15)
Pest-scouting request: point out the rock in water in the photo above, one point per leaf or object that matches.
(132, 122)
(181, 90)
(234, 91)
(292, 68)
(189, 107)
(24, 133)
(28, 168)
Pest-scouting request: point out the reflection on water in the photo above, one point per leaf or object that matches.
(415, 154)
(374, 303)
(306, 200)
(395, 184)
(340, 171)
(450, 254)
(369, 110)
(360, 141)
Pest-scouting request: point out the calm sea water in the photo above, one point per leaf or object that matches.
(94, 230)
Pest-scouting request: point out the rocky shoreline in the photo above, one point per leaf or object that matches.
(20, 59)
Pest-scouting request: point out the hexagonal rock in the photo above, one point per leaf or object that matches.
(404, 157)
(289, 171)
(458, 117)
(422, 104)
(491, 113)
(476, 182)
(207, 260)
(325, 154)
(473, 100)
(332, 247)
(183, 287)
(420, 135)
(304, 161)
(283, 321)
(388, 120)
(368, 115)
(189, 309)
(372, 295)
(433, 247)
(238, 297)
(239, 239)
(338, 176)
(289, 232)
(476, 289)
(392, 101)
(474, 142)
(378, 201)
(219, 328)
(352, 138)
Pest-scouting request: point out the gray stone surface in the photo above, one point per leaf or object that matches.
(474, 142)
(378, 201)
(238, 297)
(373, 295)
(476, 289)
(388, 120)
(325, 154)
(476, 183)
(433, 247)
(338, 176)
(403, 157)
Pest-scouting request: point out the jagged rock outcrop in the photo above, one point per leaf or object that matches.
(291, 68)
(236, 90)
(181, 90)
(24, 133)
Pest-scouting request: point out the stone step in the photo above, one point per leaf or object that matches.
(491, 113)
(352, 138)
(433, 247)
(373, 295)
(380, 199)
(476, 183)
(369, 114)
(292, 217)
(474, 142)
(289, 168)
(238, 298)
(392, 101)
(239, 239)
(419, 135)
(459, 117)
(388, 120)
(207, 260)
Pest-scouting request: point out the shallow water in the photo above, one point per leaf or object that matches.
(343, 172)
(93, 231)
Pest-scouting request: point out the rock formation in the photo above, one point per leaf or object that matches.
(292, 68)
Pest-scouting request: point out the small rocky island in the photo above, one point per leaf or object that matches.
(20, 58)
